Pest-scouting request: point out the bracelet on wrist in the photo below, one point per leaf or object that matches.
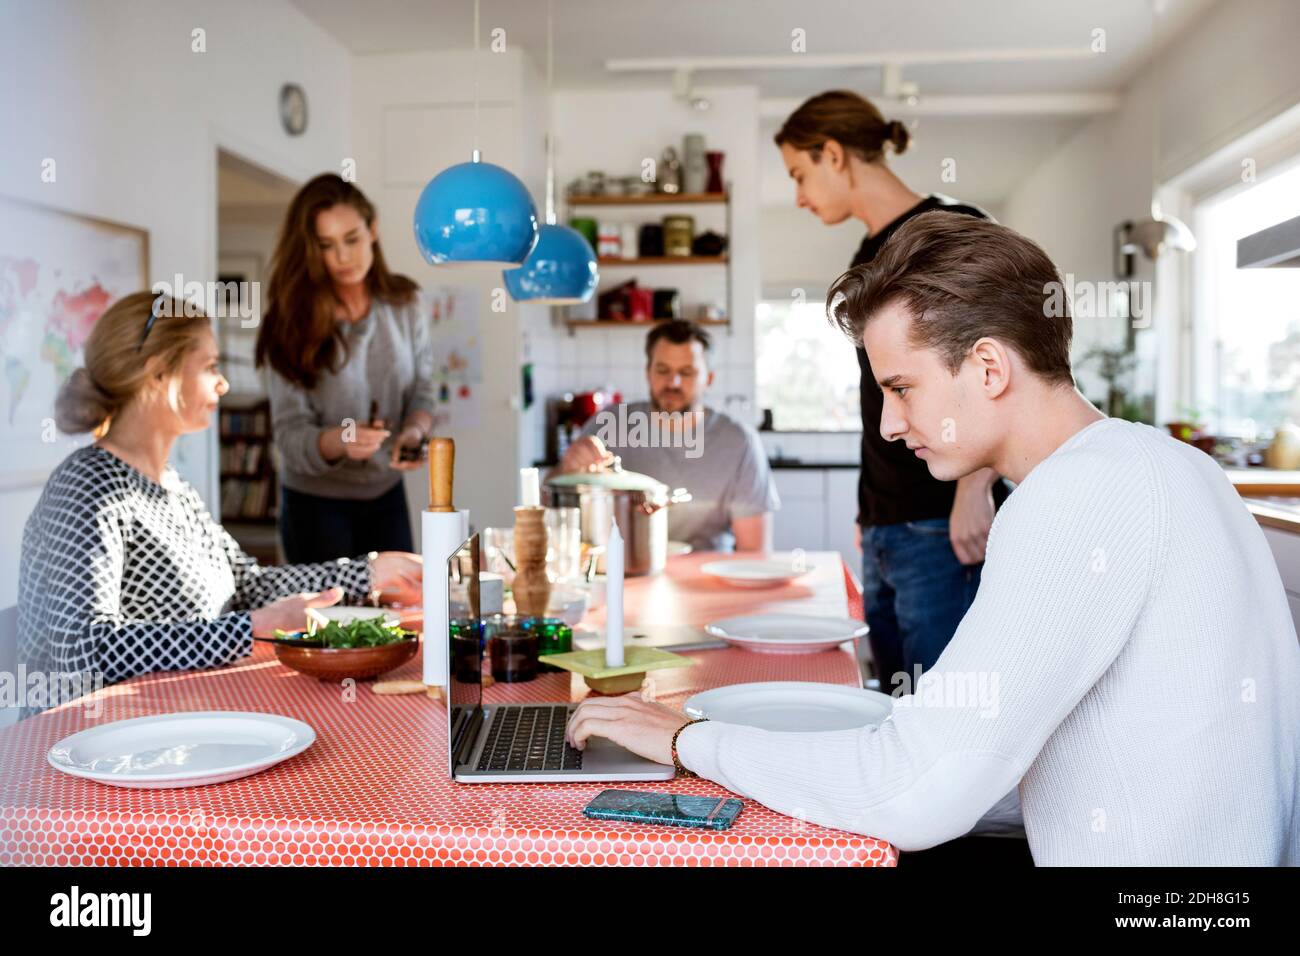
(677, 762)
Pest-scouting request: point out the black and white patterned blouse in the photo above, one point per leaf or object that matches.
(121, 575)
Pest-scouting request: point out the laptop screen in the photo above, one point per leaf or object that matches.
(464, 645)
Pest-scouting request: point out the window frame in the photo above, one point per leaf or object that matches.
(1183, 314)
(814, 290)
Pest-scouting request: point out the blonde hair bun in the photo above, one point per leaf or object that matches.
(116, 360)
(81, 405)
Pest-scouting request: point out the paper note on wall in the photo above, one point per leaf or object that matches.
(457, 359)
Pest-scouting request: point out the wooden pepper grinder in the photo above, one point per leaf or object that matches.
(442, 471)
(532, 588)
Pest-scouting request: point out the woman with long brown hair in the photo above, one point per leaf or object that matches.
(123, 569)
(350, 354)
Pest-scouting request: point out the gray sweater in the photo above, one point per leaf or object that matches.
(390, 361)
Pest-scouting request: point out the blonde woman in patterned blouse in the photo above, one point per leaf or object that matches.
(123, 569)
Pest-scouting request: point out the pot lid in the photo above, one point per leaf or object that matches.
(613, 479)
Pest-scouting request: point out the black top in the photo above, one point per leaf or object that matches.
(894, 485)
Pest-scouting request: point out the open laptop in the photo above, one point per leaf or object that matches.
(524, 742)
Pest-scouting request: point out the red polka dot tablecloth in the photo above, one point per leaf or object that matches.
(373, 790)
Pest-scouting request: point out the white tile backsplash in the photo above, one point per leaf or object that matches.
(593, 358)
(630, 380)
(720, 352)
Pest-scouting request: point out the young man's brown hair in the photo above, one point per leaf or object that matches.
(963, 279)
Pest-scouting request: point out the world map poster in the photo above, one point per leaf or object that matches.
(58, 273)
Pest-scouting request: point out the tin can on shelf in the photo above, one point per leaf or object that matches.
(679, 231)
(609, 240)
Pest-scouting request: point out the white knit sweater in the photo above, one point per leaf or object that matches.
(1130, 660)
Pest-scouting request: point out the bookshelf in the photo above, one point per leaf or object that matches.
(249, 490)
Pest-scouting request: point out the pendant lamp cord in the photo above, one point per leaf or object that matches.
(550, 132)
(476, 68)
(1156, 6)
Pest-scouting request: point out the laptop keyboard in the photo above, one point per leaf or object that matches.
(529, 738)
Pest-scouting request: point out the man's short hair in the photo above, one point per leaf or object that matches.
(962, 279)
(677, 331)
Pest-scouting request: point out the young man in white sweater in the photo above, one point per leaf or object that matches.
(1130, 660)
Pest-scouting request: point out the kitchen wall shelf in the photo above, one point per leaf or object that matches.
(664, 261)
(722, 199)
(597, 323)
(653, 199)
(575, 324)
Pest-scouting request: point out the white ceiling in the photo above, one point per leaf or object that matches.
(589, 32)
(994, 152)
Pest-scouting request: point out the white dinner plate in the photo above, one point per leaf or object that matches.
(787, 633)
(792, 706)
(181, 750)
(755, 572)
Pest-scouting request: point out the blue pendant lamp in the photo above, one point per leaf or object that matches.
(475, 212)
(561, 269)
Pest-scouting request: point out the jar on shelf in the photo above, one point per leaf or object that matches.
(678, 234)
(609, 240)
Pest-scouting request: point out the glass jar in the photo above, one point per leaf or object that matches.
(512, 648)
(466, 650)
(554, 637)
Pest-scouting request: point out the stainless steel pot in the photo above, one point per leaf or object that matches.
(638, 503)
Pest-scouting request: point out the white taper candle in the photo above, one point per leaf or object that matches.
(530, 492)
(614, 597)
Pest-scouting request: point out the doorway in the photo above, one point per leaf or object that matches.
(251, 204)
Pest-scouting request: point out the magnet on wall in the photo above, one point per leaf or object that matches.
(444, 393)
(527, 385)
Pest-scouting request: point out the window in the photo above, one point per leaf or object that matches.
(1248, 343)
(807, 370)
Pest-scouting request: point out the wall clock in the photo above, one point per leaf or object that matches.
(293, 109)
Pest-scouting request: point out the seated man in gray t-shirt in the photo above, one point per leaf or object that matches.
(674, 439)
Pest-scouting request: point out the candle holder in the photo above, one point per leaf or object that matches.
(637, 662)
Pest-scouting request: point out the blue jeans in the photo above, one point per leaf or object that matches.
(915, 593)
(314, 529)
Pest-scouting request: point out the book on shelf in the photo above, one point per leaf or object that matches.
(241, 458)
(246, 499)
(254, 423)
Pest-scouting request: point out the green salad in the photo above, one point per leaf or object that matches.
(367, 632)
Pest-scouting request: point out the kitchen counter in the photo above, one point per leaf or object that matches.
(1276, 511)
(1264, 482)
(791, 464)
(1272, 496)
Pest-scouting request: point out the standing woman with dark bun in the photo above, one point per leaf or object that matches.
(350, 353)
(922, 539)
